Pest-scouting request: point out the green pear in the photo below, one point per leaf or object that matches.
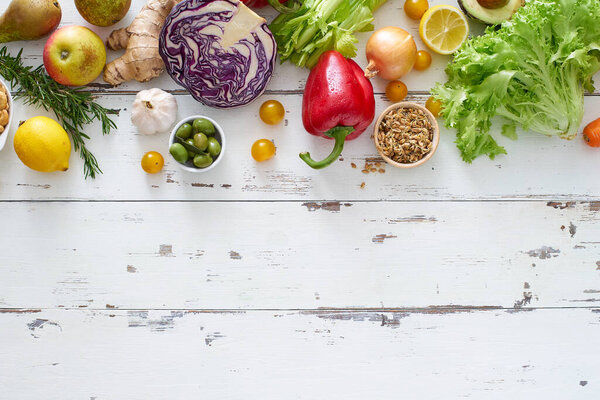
(103, 12)
(29, 19)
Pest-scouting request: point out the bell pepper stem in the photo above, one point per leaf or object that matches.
(339, 134)
(284, 9)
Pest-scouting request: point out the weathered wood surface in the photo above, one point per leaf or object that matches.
(266, 255)
(312, 355)
(275, 281)
(286, 77)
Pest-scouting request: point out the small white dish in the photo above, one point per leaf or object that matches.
(219, 135)
(4, 134)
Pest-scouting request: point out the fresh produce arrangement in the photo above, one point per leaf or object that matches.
(74, 108)
(530, 68)
(532, 71)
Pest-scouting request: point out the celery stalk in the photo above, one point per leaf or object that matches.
(321, 25)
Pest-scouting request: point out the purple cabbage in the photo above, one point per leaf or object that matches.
(219, 50)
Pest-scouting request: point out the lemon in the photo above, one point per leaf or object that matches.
(43, 145)
(443, 29)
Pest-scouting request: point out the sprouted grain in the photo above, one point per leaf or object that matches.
(405, 135)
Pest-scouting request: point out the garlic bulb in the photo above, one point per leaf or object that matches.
(153, 111)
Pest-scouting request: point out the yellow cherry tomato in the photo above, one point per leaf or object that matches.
(152, 162)
(423, 60)
(271, 112)
(415, 8)
(434, 106)
(262, 150)
(396, 91)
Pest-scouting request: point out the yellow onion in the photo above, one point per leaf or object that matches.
(391, 52)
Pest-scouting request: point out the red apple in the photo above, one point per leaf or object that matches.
(74, 55)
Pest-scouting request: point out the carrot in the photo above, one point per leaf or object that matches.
(591, 133)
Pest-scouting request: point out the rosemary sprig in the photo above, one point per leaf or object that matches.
(74, 107)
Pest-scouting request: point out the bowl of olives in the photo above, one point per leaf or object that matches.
(197, 143)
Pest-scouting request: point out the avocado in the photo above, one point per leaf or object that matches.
(490, 16)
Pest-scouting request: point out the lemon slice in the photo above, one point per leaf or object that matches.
(444, 28)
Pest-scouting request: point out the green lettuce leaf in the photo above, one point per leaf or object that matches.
(532, 71)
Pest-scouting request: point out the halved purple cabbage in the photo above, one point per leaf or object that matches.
(219, 50)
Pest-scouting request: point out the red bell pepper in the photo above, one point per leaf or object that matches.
(338, 103)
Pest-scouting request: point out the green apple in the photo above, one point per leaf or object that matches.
(74, 56)
(103, 12)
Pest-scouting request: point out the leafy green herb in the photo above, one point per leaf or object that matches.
(321, 25)
(532, 71)
(74, 108)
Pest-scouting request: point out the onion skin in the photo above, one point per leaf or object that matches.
(391, 52)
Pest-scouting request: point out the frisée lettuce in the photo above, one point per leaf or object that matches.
(532, 71)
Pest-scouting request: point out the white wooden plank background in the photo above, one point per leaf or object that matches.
(542, 354)
(276, 281)
(232, 255)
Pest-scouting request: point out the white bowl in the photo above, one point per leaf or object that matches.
(11, 111)
(219, 135)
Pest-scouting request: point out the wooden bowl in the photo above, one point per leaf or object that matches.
(432, 120)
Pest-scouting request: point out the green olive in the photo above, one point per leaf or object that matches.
(179, 153)
(203, 160)
(184, 131)
(191, 153)
(204, 126)
(214, 147)
(200, 141)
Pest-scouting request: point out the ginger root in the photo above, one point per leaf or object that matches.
(141, 60)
